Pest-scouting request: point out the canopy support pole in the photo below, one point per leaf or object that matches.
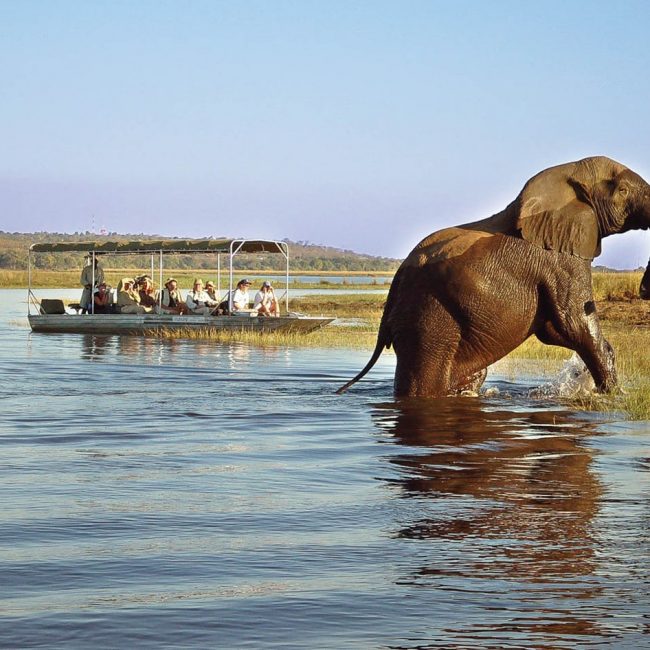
(29, 277)
(219, 275)
(160, 283)
(92, 288)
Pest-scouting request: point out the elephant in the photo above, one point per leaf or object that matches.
(644, 287)
(468, 295)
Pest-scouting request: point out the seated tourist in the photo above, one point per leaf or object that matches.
(198, 301)
(241, 299)
(172, 300)
(128, 299)
(266, 304)
(102, 300)
(148, 296)
(211, 290)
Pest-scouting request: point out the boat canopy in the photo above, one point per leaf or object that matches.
(165, 246)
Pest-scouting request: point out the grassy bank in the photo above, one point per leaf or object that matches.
(625, 319)
(629, 342)
(607, 286)
(41, 279)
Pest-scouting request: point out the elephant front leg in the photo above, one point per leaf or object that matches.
(582, 333)
(470, 383)
(598, 354)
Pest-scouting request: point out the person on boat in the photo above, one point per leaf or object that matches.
(198, 301)
(172, 301)
(128, 299)
(102, 300)
(265, 303)
(148, 296)
(211, 290)
(241, 300)
(86, 282)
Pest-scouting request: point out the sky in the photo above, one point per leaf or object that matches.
(363, 125)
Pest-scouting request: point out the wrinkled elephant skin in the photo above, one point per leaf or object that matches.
(466, 296)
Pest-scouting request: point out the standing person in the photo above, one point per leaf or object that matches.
(172, 299)
(241, 299)
(86, 282)
(198, 301)
(265, 301)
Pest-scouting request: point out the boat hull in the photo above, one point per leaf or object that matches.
(139, 324)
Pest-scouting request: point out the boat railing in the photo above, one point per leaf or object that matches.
(230, 247)
(33, 301)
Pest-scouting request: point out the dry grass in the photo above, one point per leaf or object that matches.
(328, 337)
(616, 286)
(369, 306)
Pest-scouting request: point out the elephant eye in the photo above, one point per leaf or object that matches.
(624, 190)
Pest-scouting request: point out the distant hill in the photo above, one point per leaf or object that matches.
(605, 269)
(305, 256)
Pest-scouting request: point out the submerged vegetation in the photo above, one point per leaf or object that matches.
(625, 321)
(362, 336)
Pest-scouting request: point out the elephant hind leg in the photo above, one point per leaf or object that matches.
(415, 378)
(425, 354)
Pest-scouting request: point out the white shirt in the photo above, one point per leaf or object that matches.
(198, 299)
(264, 298)
(240, 299)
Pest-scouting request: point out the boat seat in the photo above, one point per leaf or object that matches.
(52, 306)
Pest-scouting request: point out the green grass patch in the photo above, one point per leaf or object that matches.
(41, 279)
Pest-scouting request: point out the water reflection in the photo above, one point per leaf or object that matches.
(498, 495)
(96, 345)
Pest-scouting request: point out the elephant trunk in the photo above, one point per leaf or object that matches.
(644, 287)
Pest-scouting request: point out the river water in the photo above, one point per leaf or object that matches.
(186, 494)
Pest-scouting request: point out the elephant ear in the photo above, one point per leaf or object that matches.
(555, 211)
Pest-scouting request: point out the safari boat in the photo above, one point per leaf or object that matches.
(53, 315)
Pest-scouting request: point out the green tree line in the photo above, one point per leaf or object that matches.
(304, 256)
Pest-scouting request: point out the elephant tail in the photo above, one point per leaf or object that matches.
(384, 337)
(379, 348)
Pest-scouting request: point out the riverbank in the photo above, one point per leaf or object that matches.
(41, 279)
(625, 320)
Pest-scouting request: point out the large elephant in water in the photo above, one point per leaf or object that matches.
(466, 296)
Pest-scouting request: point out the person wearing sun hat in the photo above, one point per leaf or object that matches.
(211, 290)
(241, 300)
(87, 276)
(198, 301)
(172, 301)
(266, 304)
(128, 299)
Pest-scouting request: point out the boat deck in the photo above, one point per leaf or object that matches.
(152, 323)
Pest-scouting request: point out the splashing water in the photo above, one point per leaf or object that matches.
(573, 381)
